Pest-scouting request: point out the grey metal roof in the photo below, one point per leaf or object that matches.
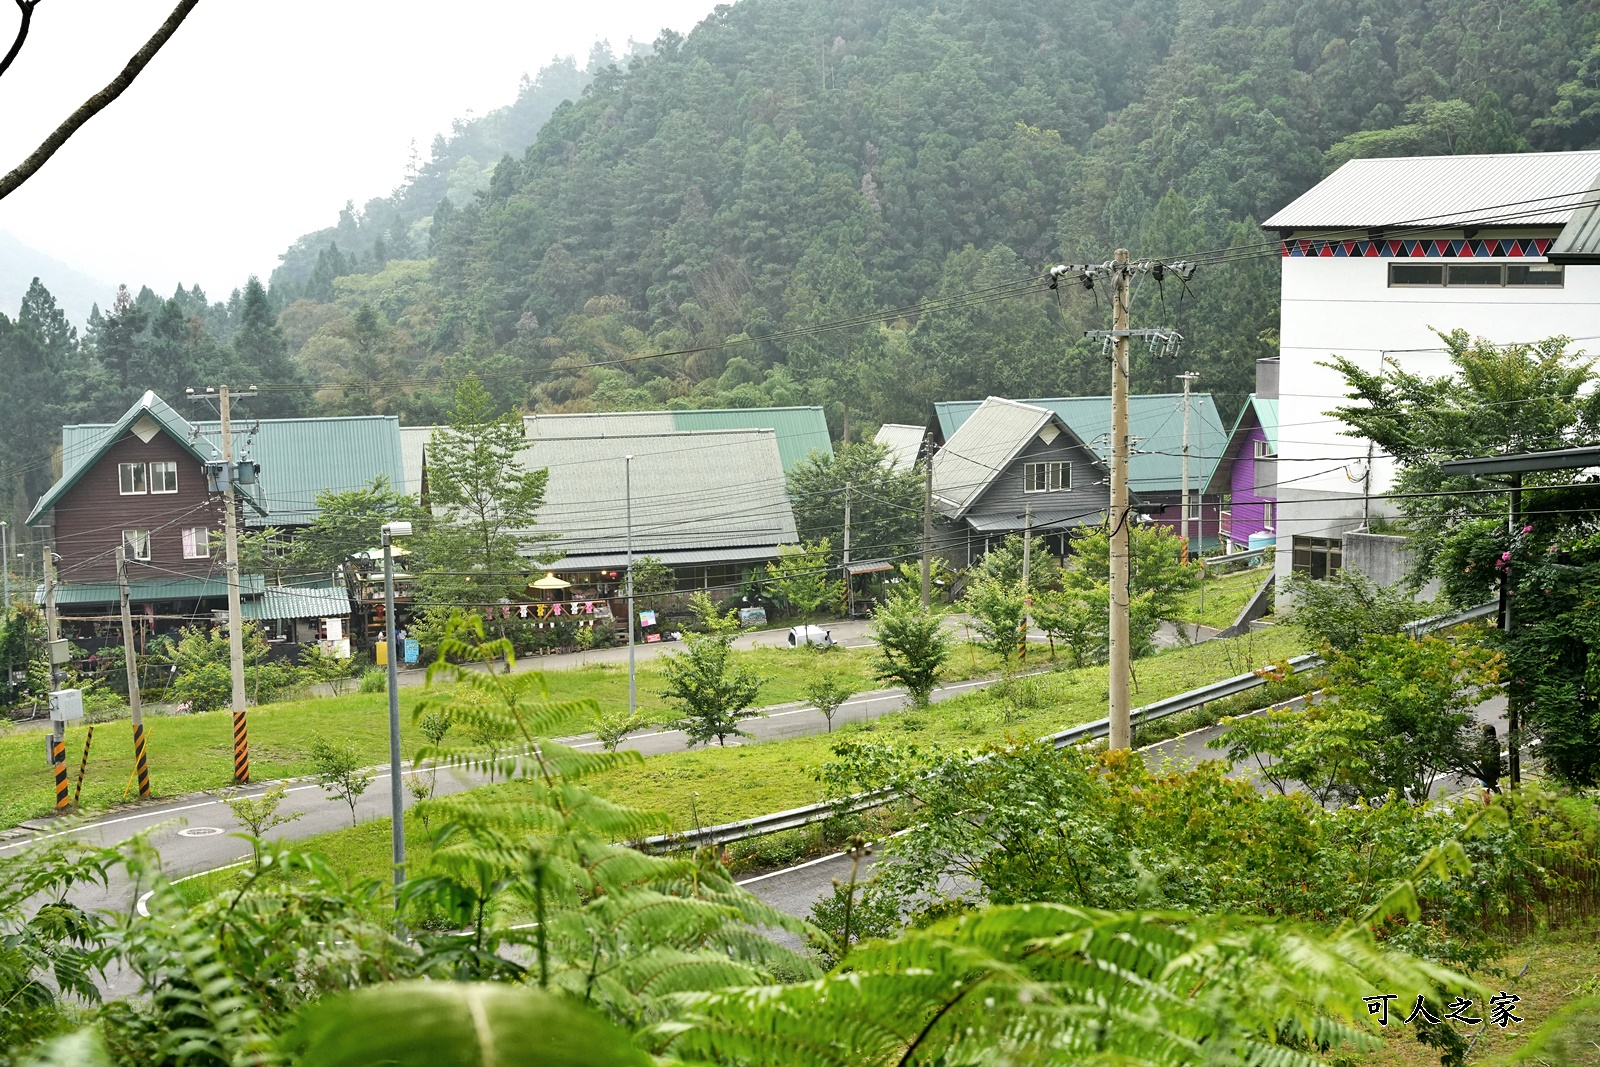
(1560, 459)
(1528, 188)
(1579, 239)
(1042, 520)
(903, 442)
(800, 430)
(597, 561)
(413, 442)
(701, 490)
(981, 449)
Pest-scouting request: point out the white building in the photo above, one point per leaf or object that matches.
(1378, 256)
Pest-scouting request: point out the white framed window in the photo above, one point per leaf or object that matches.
(1047, 477)
(1264, 450)
(131, 478)
(136, 544)
(1266, 514)
(164, 476)
(197, 543)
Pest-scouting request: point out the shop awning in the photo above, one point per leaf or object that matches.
(146, 590)
(295, 602)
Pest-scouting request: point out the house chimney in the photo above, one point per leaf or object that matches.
(1267, 378)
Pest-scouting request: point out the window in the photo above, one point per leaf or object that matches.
(197, 543)
(136, 543)
(1318, 557)
(1266, 514)
(1046, 477)
(1264, 450)
(164, 477)
(1476, 275)
(130, 477)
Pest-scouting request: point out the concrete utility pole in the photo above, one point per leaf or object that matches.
(927, 524)
(131, 664)
(849, 586)
(230, 534)
(5, 564)
(52, 637)
(397, 807)
(1120, 660)
(627, 489)
(1187, 514)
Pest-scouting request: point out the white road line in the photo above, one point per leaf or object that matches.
(790, 870)
(142, 905)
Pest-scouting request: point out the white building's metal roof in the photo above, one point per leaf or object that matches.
(1529, 188)
(903, 441)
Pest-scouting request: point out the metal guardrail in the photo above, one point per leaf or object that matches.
(795, 818)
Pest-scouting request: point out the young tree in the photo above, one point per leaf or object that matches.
(1343, 611)
(712, 693)
(997, 609)
(487, 500)
(349, 521)
(1003, 562)
(799, 578)
(1079, 618)
(612, 730)
(336, 765)
(912, 646)
(827, 693)
(261, 814)
(1158, 573)
(338, 673)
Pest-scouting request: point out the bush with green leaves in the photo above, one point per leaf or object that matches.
(998, 609)
(1343, 611)
(912, 646)
(801, 578)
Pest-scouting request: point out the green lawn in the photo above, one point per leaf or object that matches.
(190, 753)
(715, 785)
(1223, 598)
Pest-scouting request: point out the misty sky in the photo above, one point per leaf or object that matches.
(261, 117)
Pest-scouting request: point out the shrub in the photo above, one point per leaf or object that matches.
(374, 679)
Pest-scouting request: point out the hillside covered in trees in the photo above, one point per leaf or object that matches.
(791, 163)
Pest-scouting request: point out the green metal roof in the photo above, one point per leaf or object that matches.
(300, 458)
(143, 590)
(1255, 411)
(82, 445)
(800, 430)
(298, 602)
(1155, 420)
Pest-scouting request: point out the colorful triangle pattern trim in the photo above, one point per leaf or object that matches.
(1488, 247)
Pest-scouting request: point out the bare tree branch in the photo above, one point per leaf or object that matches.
(96, 103)
(27, 7)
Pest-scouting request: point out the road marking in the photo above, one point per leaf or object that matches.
(790, 870)
(142, 905)
(201, 831)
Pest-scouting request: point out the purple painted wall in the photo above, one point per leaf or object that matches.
(1248, 507)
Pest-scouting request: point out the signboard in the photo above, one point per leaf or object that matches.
(413, 650)
(335, 627)
(647, 618)
(752, 616)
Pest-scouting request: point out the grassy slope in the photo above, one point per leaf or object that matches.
(714, 785)
(188, 753)
(194, 752)
(1562, 966)
(1225, 596)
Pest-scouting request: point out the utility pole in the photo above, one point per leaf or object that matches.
(627, 489)
(230, 535)
(927, 525)
(5, 564)
(397, 807)
(1120, 659)
(1027, 543)
(1162, 342)
(130, 661)
(1188, 544)
(52, 638)
(849, 586)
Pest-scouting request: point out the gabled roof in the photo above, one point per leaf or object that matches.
(799, 430)
(1256, 412)
(903, 442)
(83, 445)
(1522, 189)
(708, 495)
(989, 438)
(299, 458)
(1155, 421)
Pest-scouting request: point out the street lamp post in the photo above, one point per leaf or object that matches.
(390, 531)
(5, 564)
(627, 490)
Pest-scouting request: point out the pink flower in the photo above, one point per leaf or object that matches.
(1527, 529)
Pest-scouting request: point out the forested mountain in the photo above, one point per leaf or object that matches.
(791, 163)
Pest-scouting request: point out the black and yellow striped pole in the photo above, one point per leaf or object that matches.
(241, 749)
(83, 768)
(130, 662)
(58, 756)
(140, 767)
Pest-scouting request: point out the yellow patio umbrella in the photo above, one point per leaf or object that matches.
(550, 581)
